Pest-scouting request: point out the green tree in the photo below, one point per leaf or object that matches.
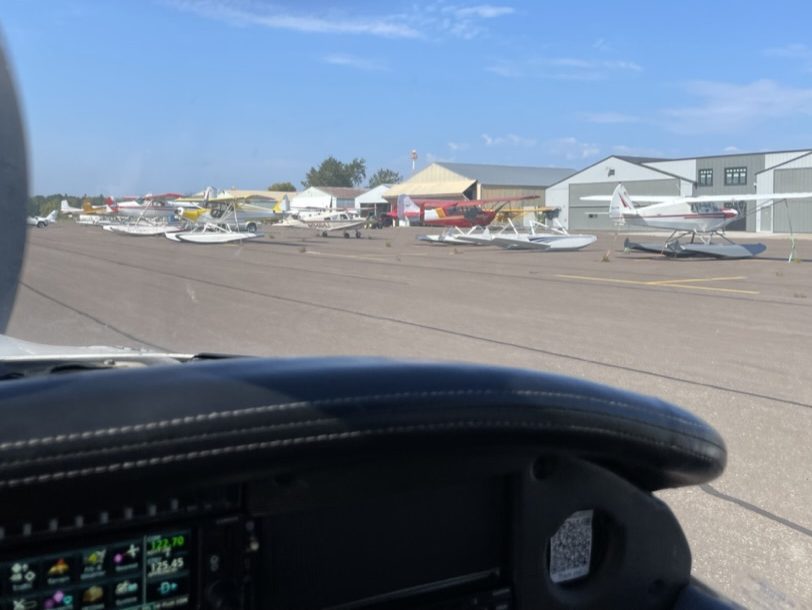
(384, 176)
(333, 172)
(282, 186)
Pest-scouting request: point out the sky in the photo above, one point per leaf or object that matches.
(135, 96)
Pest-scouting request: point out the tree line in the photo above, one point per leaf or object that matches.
(332, 172)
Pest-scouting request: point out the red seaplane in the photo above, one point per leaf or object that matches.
(463, 213)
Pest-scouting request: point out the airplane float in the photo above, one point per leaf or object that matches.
(543, 237)
(701, 218)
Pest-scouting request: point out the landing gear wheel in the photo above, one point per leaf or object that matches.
(358, 235)
(41, 225)
(251, 227)
(324, 233)
(346, 235)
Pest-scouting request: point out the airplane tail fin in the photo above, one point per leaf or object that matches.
(282, 206)
(112, 205)
(406, 205)
(86, 207)
(64, 207)
(621, 204)
(51, 217)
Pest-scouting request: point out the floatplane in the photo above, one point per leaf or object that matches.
(699, 218)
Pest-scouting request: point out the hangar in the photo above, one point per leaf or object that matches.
(733, 174)
(326, 197)
(446, 180)
(793, 175)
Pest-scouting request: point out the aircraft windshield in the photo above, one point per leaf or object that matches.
(291, 147)
(708, 207)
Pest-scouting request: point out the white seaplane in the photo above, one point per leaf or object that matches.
(701, 218)
(154, 215)
(224, 218)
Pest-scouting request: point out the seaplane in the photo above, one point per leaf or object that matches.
(326, 221)
(41, 221)
(543, 236)
(699, 218)
(463, 213)
(68, 210)
(240, 210)
(222, 219)
(150, 215)
(88, 214)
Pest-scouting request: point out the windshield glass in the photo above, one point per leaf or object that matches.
(300, 178)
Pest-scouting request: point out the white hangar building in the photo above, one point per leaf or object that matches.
(735, 174)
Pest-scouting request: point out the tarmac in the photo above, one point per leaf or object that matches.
(728, 340)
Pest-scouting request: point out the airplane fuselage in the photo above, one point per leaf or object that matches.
(471, 217)
(681, 217)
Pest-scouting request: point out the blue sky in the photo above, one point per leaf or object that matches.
(126, 97)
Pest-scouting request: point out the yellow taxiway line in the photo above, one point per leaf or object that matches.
(689, 283)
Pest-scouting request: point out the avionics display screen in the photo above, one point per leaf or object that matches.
(387, 547)
(146, 573)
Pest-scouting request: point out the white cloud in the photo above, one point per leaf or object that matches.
(432, 158)
(505, 69)
(455, 146)
(510, 139)
(601, 45)
(794, 51)
(483, 11)
(564, 68)
(242, 12)
(571, 148)
(610, 118)
(732, 149)
(418, 21)
(637, 151)
(599, 66)
(728, 107)
(352, 61)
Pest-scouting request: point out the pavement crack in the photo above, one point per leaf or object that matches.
(93, 318)
(711, 490)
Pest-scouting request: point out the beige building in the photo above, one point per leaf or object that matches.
(445, 180)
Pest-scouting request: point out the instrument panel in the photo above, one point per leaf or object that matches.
(152, 571)
(440, 531)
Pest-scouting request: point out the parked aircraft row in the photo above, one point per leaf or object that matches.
(223, 216)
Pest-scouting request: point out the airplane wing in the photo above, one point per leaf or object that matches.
(756, 197)
(638, 198)
(163, 196)
(444, 203)
(704, 198)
